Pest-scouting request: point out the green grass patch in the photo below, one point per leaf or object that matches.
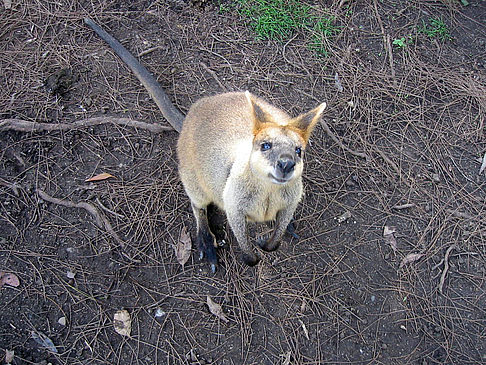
(275, 19)
(281, 19)
(436, 28)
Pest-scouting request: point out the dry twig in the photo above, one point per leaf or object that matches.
(100, 220)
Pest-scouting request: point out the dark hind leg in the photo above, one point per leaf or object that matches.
(205, 239)
(216, 220)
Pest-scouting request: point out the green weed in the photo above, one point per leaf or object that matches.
(402, 42)
(436, 28)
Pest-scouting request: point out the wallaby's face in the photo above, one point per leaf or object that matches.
(277, 154)
(278, 147)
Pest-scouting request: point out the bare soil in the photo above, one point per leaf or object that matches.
(406, 129)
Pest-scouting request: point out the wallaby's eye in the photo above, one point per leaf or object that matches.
(265, 146)
(298, 151)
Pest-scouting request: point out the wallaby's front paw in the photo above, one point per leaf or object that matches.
(250, 259)
(268, 244)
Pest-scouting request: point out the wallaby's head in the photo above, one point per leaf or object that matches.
(278, 145)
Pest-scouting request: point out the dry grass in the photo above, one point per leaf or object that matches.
(337, 294)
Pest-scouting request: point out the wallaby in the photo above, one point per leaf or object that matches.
(237, 152)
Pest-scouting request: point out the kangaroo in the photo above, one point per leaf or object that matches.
(235, 151)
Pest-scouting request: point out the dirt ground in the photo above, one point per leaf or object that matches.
(400, 146)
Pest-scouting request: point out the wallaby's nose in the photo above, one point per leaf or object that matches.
(285, 165)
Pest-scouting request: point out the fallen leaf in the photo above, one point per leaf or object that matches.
(388, 235)
(216, 309)
(183, 247)
(99, 177)
(9, 355)
(411, 257)
(122, 323)
(70, 274)
(483, 164)
(306, 333)
(44, 341)
(9, 279)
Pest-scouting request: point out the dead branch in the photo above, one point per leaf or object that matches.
(100, 219)
(20, 125)
(446, 268)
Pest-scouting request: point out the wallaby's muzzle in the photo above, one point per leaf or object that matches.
(285, 165)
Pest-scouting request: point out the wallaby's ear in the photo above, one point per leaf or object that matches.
(305, 123)
(260, 117)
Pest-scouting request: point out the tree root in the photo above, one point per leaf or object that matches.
(100, 219)
(28, 126)
(446, 268)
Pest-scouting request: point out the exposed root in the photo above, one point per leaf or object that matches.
(100, 220)
(446, 268)
(20, 125)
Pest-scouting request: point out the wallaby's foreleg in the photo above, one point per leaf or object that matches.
(205, 239)
(284, 217)
(237, 222)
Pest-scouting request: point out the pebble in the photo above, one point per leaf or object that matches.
(62, 321)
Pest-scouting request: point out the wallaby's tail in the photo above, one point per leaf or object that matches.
(169, 111)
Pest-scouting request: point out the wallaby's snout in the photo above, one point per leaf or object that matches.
(285, 165)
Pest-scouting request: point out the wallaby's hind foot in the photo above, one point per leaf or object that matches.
(206, 242)
(206, 245)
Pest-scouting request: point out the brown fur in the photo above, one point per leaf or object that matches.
(220, 162)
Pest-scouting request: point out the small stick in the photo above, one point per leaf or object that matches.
(403, 206)
(340, 144)
(390, 162)
(446, 268)
(390, 58)
(100, 220)
(28, 126)
(147, 51)
(213, 74)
